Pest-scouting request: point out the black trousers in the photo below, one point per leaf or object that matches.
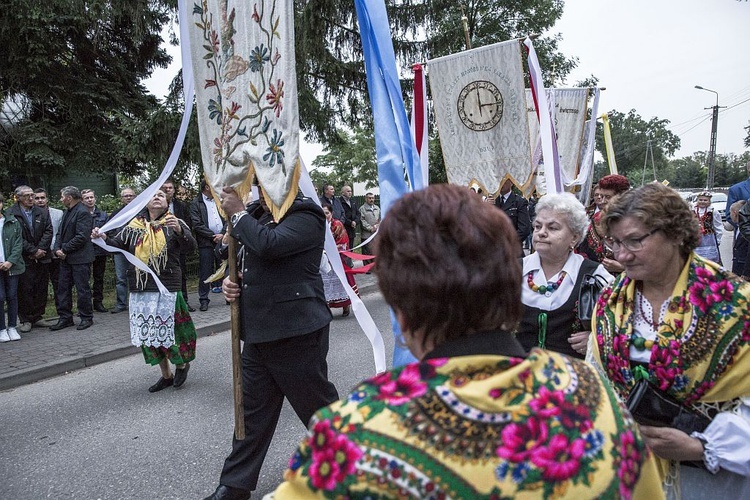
(97, 271)
(78, 275)
(296, 368)
(208, 262)
(32, 292)
(183, 268)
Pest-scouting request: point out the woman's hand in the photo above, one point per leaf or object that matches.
(231, 289)
(672, 444)
(96, 234)
(173, 222)
(579, 341)
(612, 266)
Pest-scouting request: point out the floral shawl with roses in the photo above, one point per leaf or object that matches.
(701, 356)
(480, 426)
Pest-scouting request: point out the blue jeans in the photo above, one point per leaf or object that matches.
(121, 280)
(9, 294)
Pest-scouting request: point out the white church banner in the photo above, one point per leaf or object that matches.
(480, 111)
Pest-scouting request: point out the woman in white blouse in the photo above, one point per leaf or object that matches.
(552, 277)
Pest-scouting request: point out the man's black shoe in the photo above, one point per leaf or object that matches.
(118, 310)
(163, 383)
(62, 324)
(228, 493)
(204, 306)
(99, 307)
(191, 308)
(85, 323)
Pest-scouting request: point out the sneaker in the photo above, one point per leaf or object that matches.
(216, 289)
(13, 334)
(25, 327)
(44, 323)
(4, 336)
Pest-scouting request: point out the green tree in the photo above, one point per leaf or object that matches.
(77, 65)
(630, 137)
(332, 83)
(350, 159)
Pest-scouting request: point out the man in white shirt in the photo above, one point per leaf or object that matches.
(208, 228)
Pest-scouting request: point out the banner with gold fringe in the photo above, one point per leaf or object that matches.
(246, 94)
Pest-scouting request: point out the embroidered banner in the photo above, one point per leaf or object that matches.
(480, 111)
(246, 90)
(569, 112)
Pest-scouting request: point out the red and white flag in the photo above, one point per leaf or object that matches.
(419, 121)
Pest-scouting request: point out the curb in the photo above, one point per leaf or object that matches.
(61, 367)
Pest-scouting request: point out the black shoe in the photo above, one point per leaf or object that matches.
(204, 306)
(180, 375)
(163, 383)
(346, 311)
(99, 307)
(228, 493)
(191, 308)
(118, 310)
(62, 324)
(85, 323)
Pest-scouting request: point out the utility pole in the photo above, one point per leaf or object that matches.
(712, 146)
(465, 21)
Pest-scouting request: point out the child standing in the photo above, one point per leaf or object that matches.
(11, 267)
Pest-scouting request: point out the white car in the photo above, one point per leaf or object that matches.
(719, 203)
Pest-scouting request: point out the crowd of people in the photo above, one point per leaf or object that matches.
(612, 360)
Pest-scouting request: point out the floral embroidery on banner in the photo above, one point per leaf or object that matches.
(265, 93)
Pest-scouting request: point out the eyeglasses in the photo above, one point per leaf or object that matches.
(631, 244)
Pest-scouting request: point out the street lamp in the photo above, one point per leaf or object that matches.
(712, 148)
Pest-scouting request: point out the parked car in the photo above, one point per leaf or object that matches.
(719, 203)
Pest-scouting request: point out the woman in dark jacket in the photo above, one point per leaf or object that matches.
(159, 323)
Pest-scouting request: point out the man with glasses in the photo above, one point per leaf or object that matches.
(37, 240)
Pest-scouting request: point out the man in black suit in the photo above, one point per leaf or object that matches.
(285, 322)
(351, 213)
(208, 228)
(517, 208)
(36, 229)
(329, 196)
(179, 209)
(76, 253)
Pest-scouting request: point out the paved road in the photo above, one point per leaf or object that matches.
(97, 433)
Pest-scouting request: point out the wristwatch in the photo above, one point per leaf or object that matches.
(236, 217)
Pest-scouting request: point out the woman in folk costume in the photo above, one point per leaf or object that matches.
(711, 227)
(592, 246)
(476, 417)
(160, 324)
(336, 295)
(675, 325)
(552, 278)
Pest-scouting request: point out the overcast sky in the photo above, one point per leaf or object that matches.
(650, 54)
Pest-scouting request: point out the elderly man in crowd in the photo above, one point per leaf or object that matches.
(76, 253)
(99, 266)
(37, 238)
(369, 214)
(121, 263)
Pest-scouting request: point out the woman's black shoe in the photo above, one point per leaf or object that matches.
(163, 383)
(180, 375)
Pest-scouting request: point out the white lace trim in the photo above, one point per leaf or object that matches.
(152, 319)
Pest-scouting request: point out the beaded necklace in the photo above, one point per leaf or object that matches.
(547, 289)
(637, 341)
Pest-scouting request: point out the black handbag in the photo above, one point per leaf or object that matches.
(650, 406)
(591, 287)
